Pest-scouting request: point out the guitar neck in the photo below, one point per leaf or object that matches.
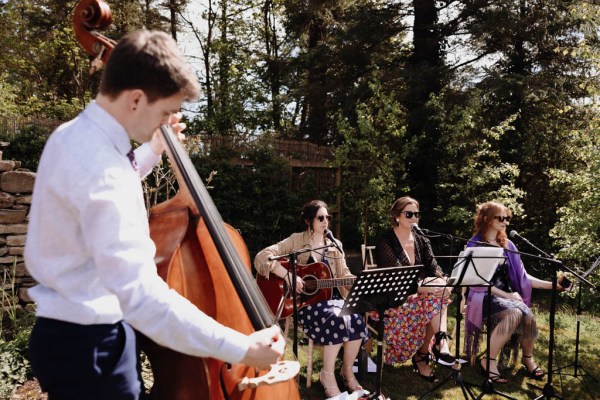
(331, 283)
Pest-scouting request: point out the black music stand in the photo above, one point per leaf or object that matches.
(466, 273)
(380, 289)
(575, 364)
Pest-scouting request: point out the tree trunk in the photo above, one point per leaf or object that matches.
(425, 78)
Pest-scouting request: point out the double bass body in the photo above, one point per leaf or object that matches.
(193, 263)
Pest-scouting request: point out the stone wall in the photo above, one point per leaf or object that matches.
(16, 186)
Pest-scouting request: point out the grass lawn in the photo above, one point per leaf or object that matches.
(400, 382)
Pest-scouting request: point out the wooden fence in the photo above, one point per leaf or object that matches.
(12, 126)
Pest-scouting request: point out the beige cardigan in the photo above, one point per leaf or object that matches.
(297, 241)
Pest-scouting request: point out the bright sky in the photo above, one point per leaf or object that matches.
(188, 42)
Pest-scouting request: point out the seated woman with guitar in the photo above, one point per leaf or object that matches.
(319, 317)
(409, 328)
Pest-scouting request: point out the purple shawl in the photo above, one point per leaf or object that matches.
(518, 282)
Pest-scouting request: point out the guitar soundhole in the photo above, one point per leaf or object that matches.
(310, 285)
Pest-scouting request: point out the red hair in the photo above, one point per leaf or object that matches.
(485, 217)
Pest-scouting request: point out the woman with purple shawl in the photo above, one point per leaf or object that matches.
(511, 296)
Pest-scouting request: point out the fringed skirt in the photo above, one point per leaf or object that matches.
(508, 316)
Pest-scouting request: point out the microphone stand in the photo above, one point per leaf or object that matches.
(575, 364)
(292, 263)
(548, 391)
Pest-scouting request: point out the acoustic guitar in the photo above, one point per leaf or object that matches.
(318, 286)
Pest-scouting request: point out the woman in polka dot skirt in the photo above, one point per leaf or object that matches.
(321, 321)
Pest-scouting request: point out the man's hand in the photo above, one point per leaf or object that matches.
(266, 349)
(156, 143)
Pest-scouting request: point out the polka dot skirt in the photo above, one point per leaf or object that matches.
(322, 323)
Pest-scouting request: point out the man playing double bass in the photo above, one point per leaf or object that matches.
(88, 243)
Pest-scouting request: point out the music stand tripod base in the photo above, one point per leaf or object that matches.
(378, 290)
(455, 375)
(479, 262)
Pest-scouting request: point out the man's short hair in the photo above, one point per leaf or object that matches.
(150, 61)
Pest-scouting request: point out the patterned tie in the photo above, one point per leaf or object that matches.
(134, 164)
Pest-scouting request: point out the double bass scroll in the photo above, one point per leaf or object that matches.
(89, 17)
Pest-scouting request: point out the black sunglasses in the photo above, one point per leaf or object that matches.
(321, 218)
(410, 214)
(502, 219)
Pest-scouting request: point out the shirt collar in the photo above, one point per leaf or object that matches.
(109, 126)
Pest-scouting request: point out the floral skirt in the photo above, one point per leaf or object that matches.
(405, 326)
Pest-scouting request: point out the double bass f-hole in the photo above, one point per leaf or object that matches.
(89, 17)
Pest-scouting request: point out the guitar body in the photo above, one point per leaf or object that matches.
(275, 288)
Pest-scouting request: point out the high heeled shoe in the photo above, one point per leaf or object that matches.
(536, 373)
(347, 382)
(442, 358)
(423, 358)
(492, 376)
(330, 391)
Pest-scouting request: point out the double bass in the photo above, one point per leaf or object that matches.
(206, 261)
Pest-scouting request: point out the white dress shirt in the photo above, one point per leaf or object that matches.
(88, 243)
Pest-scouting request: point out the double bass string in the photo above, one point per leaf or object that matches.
(258, 311)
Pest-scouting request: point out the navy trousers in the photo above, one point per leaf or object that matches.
(85, 362)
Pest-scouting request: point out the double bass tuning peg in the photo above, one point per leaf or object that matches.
(97, 62)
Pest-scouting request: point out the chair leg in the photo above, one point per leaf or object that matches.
(286, 327)
(309, 362)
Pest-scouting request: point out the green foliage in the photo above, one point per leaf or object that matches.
(370, 162)
(8, 97)
(27, 145)
(255, 198)
(15, 327)
(471, 170)
(14, 366)
(8, 302)
(340, 44)
(45, 64)
(537, 73)
(577, 231)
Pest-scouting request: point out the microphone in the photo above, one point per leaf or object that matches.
(514, 234)
(416, 228)
(329, 235)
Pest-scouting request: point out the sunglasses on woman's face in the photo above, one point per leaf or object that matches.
(502, 219)
(321, 218)
(410, 214)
